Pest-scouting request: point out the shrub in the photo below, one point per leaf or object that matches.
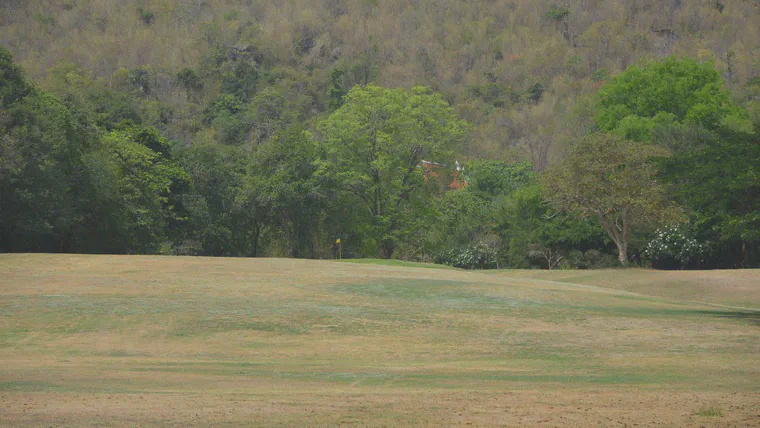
(535, 93)
(189, 79)
(591, 259)
(600, 75)
(675, 247)
(140, 79)
(231, 15)
(47, 20)
(710, 411)
(557, 13)
(188, 247)
(146, 16)
(475, 256)
(491, 93)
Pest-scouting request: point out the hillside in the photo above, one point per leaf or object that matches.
(518, 69)
(178, 340)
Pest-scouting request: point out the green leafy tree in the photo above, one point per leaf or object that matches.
(674, 92)
(720, 183)
(473, 215)
(559, 16)
(489, 179)
(373, 145)
(537, 234)
(219, 222)
(613, 179)
(241, 80)
(280, 190)
(266, 113)
(91, 98)
(227, 116)
(680, 105)
(463, 217)
(366, 68)
(66, 187)
(188, 79)
(134, 192)
(13, 85)
(336, 89)
(41, 173)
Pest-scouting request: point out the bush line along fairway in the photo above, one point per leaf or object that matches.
(180, 340)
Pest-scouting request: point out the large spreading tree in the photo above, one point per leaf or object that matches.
(673, 93)
(720, 184)
(681, 105)
(373, 145)
(611, 178)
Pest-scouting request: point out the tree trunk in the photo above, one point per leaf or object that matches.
(256, 236)
(619, 237)
(622, 252)
(387, 248)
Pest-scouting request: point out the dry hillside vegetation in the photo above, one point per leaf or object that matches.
(518, 69)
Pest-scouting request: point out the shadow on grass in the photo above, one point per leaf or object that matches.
(752, 317)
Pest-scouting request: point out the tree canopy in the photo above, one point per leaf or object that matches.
(679, 92)
(611, 178)
(374, 145)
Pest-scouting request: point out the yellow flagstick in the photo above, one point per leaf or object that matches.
(340, 249)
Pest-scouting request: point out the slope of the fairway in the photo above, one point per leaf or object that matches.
(735, 288)
(397, 263)
(142, 340)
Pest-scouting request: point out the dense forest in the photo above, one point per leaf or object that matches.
(481, 134)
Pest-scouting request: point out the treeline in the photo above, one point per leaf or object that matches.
(236, 128)
(667, 174)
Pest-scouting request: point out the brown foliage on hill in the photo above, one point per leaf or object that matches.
(519, 70)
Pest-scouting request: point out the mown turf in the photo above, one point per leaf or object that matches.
(400, 263)
(719, 287)
(323, 343)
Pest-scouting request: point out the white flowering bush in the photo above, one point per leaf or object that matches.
(675, 247)
(476, 256)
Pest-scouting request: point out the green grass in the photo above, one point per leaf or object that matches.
(710, 411)
(737, 288)
(321, 332)
(401, 263)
